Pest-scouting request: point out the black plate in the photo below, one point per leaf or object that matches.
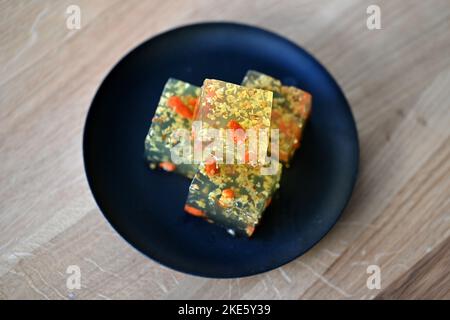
(146, 207)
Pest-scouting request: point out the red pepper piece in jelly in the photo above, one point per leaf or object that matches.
(228, 193)
(168, 166)
(211, 167)
(238, 131)
(194, 211)
(179, 107)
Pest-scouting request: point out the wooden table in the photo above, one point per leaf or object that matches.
(396, 79)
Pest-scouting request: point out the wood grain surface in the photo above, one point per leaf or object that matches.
(396, 79)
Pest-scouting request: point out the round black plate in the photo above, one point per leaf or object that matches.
(146, 207)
